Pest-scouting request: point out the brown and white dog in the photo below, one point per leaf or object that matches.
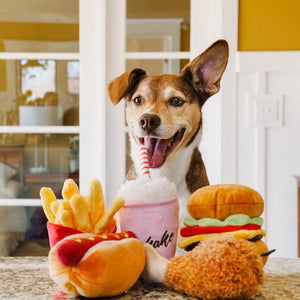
(164, 113)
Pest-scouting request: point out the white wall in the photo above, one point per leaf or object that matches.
(269, 151)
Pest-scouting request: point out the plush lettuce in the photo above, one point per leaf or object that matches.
(238, 219)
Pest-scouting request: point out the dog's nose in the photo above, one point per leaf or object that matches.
(149, 122)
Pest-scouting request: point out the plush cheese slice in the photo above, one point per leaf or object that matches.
(244, 234)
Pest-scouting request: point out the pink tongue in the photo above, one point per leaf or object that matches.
(156, 149)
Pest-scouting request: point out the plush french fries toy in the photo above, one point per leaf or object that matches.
(76, 213)
(87, 257)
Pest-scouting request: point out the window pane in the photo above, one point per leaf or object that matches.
(73, 77)
(154, 25)
(31, 161)
(37, 78)
(39, 92)
(39, 26)
(23, 231)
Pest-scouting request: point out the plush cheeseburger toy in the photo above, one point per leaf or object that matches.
(220, 209)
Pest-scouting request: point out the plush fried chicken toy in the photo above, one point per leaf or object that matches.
(218, 268)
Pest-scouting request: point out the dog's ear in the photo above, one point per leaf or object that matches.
(206, 70)
(121, 86)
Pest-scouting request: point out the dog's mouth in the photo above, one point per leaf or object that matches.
(159, 149)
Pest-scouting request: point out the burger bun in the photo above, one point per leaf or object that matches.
(222, 200)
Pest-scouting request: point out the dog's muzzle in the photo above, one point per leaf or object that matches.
(158, 149)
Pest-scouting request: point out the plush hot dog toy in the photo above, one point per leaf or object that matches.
(86, 258)
(220, 209)
(97, 266)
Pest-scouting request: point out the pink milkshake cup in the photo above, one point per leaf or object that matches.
(151, 211)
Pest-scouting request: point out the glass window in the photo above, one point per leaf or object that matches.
(73, 77)
(39, 92)
(37, 79)
(39, 115)
(31, 161)
(23, 231)
(39, 26)
(154, 25)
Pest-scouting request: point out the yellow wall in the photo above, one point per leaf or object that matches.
(269, 25)
(39, 31)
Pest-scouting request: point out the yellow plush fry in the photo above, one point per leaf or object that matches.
(65, 218)
(70, 188)
(65, 204)
(59, 212)
(62, 216)
(96, 201)
(102, 224)
(47, 197)
(80, 212)
(54, 207)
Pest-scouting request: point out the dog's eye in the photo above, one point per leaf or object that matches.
(176, 101)
(137, 100)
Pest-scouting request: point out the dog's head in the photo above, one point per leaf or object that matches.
(164, 111)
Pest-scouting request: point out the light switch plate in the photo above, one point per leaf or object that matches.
(265, 110)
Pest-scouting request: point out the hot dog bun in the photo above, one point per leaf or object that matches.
(107, 269)
(222, 200)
